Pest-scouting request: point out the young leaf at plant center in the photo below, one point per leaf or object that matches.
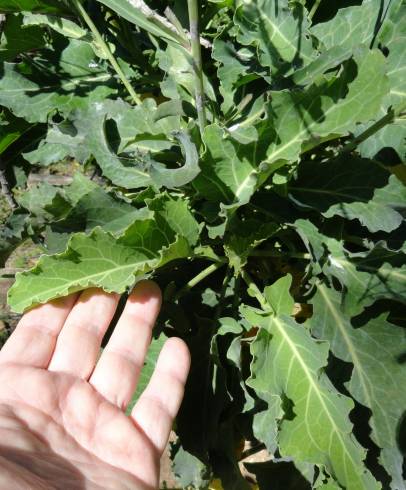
(179, 80)
(227, 176)
(287, 361)
(374, 350)
(242, 237)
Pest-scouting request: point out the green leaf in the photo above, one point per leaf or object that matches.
(236, 70)
(278, 296)
(148, 368)
(137, 13)
(289, 362)
(279, 32)
(189, 471)
(179, 81)
(363, 280)
(63, 26)
(100, 260)
(301, 120)
(351, 26)
(176, 212)
(331, 58)
(374, 350)
(43, 6)
(226, 176)
(45, 201)
(359, 189)
(392, 37)
(242, 237)
(90, 206)
(16, 38)
(75, 86)
(130, 131)
(11, 129)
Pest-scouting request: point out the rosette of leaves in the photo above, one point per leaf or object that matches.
(272, 216)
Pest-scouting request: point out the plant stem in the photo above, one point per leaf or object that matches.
(197, 62)
(195, 280)
(255, 290)
(386, 119)
(5, 189)
(107, 51)
(314, 9)
(276, 253)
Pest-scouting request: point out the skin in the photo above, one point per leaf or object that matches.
(62, 405)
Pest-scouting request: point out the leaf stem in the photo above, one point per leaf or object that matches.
(314, 9)
(200, 277)
(386, 119)
(277, 253)
(255, 290)
(107, 51)
(197, 62)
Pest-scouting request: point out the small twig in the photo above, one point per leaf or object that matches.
(107, 51)
(197, 62)
(314, 9)
(5, 189)
(381, 123)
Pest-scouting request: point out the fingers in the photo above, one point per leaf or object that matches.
(34, 339)
(79, 341)
(158, 405)
(117, 372)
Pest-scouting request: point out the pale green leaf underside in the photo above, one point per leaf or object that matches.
(287, 361)
(99, 260)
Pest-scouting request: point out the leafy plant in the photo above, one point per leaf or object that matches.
(254, 169)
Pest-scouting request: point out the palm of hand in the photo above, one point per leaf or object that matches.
(63, 418)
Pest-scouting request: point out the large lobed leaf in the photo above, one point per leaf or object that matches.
(374, 350)
(329, 108)
(289, 363)
(99, 259)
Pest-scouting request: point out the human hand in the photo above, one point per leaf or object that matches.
(62, 410)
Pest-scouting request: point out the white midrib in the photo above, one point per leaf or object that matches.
(312, 382)
(70, 83)
(243, 184)
(51, 291)
(276, 30)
